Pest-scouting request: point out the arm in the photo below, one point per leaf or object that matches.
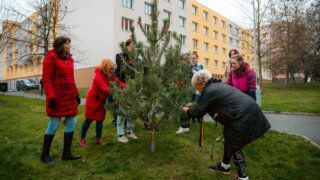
(251, 79)
(115, 79)
(102, 84)
(229, 82)
(47, 76)
(207, 100)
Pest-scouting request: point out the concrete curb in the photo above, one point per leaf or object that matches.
(291, 113)
(306, 139)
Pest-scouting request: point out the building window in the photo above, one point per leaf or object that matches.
(194, 10)
(21, 69)
(182, 21)
(223, 65)
(215, 49)
(32, 67)
(194, 27)
(147, 27)
(39, 64)
(215, 34)
(205, 46)
(127, 3)
(222, 24)
(237, 43)
(230, 40)
(166, 14)
(230, 27)
(206, 62)
(223, 51)
(181, 4)
(195, 43)
(147, 8)
(26, 67)
(205, 14)
(215, 64)
(126, 24)
(205, 31)
(183, 39)
(167, 0)
(223, 37)
(214, 20)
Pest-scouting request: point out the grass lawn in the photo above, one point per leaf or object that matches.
(23, 122)
(299, 97)
(83, 92)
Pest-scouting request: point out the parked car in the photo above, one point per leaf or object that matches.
(3, 86)
(25, 84)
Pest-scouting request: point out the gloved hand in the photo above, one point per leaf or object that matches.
(78, 100)
(52, 103)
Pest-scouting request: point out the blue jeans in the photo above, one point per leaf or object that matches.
(120, 125)
(86, 125)
(54, 122)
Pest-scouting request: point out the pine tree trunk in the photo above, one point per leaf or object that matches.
(153, 140)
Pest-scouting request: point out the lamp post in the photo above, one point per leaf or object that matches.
(258, 91)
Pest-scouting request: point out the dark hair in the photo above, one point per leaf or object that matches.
(239, 58)
(128, 42)
(58, 44)
(195, 53)
(235, 52)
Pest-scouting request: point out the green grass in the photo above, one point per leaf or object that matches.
(23, 122)
(299, 97)
(83, 92)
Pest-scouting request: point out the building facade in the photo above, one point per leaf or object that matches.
(247, 47)
(234, 39)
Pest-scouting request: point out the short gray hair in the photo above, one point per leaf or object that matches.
(201, 77)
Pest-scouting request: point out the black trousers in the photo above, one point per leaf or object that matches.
(238, 160)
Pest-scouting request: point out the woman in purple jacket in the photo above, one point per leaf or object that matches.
(242, 77)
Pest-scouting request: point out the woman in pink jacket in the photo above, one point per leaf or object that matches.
(242, 77)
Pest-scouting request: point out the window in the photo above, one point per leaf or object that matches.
(181, 4)
(237, 31)
(32, 67)
(147, 8)
(222, 24)
(126, 24)
(223, 65)
(39, 64)
(21, 69)
(194, 27)
(182, 21)
(205, 46)
(242, 46)
(147, 27)
(230, 40)
(224, 51)
(183, 39)
(194, 10)
(214, 20)
(39, 20)
(167, 0)
(215, 49)
(205, 31)
(166, 14)
(223, 37)
(26, 67)
(215, 34)
(195, 43)
(237, 43)
(205, 14)
(206, 62)
(230, 27)
(127, 3)
(215, 64)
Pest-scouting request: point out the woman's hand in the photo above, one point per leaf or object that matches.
(188, 105)
(185, 109)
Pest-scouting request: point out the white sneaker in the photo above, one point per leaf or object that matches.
(123, 139)
(182, 130)
(133, 136)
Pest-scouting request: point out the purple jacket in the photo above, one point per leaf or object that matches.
(247, 82)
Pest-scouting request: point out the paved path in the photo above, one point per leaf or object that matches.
(308, 126)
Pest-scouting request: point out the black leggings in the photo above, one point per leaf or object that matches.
(238, 160)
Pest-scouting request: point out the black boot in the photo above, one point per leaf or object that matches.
(45, 157)
(67, 155)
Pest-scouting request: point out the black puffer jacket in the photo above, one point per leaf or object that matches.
(241, 116)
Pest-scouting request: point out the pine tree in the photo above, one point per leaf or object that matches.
(161, 83)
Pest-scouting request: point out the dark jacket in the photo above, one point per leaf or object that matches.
(241, 116)
(121, 74)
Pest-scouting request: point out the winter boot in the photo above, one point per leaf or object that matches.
(100, 142)
(82, 142)
(45, 157)
(67, 155)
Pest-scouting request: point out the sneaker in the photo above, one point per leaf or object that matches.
(182, 130)
(219, 168)
(133, 136)
(82, 142)
(123, 139)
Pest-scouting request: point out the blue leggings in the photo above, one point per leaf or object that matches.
(54, 122)
(86, 125)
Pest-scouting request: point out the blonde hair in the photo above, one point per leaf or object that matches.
(200, 77)
(105, 66)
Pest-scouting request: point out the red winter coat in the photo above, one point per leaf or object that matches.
(58, 83)
(97, 96)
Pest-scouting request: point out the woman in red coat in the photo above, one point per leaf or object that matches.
(62, 96)
(96, 100)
